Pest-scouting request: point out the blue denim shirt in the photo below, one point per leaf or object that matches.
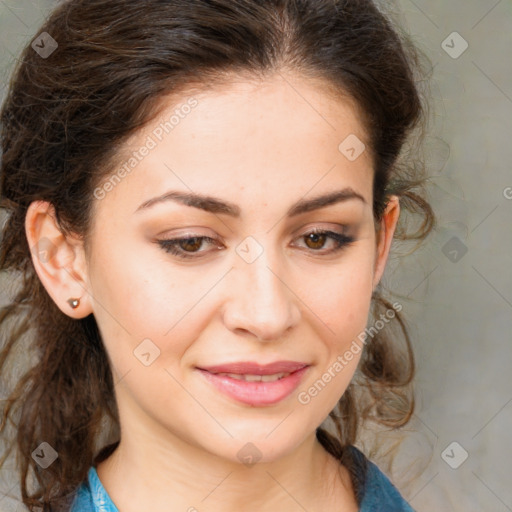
(379, 494)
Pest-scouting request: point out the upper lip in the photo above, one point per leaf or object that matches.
(253, 368)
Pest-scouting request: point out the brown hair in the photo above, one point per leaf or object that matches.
(63, 122)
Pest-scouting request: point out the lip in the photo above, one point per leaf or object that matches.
(256, 393)
(253, 368)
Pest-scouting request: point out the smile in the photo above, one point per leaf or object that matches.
(255, 390)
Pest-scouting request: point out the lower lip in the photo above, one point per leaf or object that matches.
(256, 393)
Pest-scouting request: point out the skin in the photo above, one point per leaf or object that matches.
(262, 146)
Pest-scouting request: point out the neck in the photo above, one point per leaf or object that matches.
(145, 474)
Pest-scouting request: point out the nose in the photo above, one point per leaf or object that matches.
(261, 301)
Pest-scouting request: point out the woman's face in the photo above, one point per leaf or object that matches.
(258, 288)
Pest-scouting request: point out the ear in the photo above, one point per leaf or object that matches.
(59, 260)
(385, 234)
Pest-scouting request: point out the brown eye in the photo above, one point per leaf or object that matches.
(317, 239)
(191, 247)
(185, 247)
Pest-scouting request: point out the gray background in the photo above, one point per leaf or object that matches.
(459, 304)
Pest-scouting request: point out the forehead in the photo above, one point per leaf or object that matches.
(284, 133)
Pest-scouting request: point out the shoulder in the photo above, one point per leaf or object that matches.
(83, 500)
(377, 493)
(91, 496)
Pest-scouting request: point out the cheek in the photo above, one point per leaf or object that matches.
(136, 298)
(340, 295)
(342, 305)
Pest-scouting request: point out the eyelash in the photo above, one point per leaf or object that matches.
(171, 244)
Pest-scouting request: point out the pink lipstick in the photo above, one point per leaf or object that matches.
(255, 384)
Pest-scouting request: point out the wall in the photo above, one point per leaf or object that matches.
(457, 290)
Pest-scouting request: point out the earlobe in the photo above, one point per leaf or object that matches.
(385, 234)
(58, 260)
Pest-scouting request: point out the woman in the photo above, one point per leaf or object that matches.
(202, 197)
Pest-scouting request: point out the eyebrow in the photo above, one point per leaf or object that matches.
(216, 205)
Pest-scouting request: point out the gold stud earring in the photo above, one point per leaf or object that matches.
(74, 303)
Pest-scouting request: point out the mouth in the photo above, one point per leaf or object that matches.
(255, 378)
(253, 384)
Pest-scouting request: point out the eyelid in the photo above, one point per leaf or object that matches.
(341, 239)
(324, 226)
(187, 233)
